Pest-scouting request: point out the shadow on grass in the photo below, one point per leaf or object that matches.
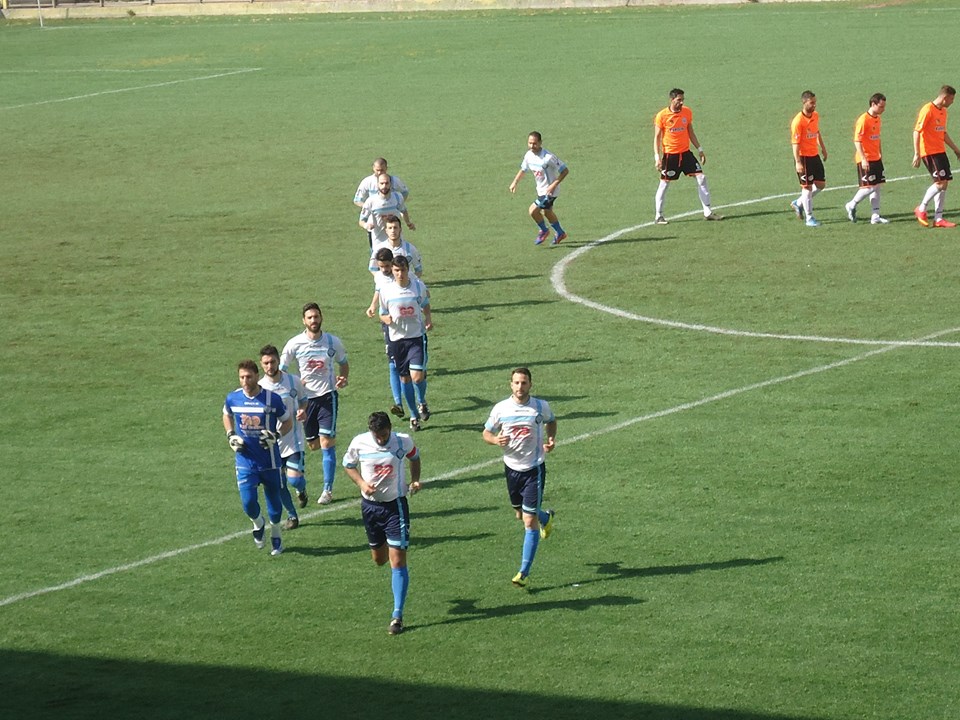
(466, 610)
(491, 306)
(486, 477)
(530, 362)
(466, 282)
(42, 686)
(615, 570)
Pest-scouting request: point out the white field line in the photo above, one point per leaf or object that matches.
(727, 394)
(560, 286)
(132, 89)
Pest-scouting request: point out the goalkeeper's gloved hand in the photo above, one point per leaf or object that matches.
(268, 438)
(235, 441)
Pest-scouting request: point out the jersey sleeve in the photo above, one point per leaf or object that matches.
(351, 458)
(493, 422)
(287, 356)
(341, 351)
(547, 412)
(361, 194)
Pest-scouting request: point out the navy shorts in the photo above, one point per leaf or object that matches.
(409, 354)
(873, 176)
(525, 487)
(545, 202)
(294, 461)
(321, 416)
(813, 171)
(938, 166)
(387, 522)
(675, 163)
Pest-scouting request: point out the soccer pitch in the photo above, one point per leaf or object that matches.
(755, 473)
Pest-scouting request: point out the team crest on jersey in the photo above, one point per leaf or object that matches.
(331, 352)
(538, 419)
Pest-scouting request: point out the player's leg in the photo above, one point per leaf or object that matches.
(397, 530)
(537, 214)
(293, 521)
(250, 501)
(554, 221)
(397, 408)
(327, 429)
(417, 357)
(294, 466)
(271, 480)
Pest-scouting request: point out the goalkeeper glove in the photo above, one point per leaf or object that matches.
(235, 441)
(268, 438)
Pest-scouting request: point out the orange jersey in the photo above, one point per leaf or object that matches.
(805, 131)
(932, 126)
(675, 128)
(867, 133)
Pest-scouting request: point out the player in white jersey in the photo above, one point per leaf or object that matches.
(292, 445)
(321, 360)
(397, 246)
(405, 310)
(384, 276)
(525, 428)
(375, 462)
(549, 171)
(368, 186)
(376, 207)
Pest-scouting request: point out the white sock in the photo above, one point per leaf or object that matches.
(704, 190)
(875, 201)
(258, 523)
(661, 193)
(938, 205)
(815, 190)
(274, 530)
(806, 202)
(928, 196)
(861, 194)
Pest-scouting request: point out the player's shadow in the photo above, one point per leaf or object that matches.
(639, 239)
(420, 541)
(582, 415)
(533, 363)
(457, 511)
(480, 281)
(467, 610)
(615, 571)
(449, 482)
(325, 551)
(490, 306)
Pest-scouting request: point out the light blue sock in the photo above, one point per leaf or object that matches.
(395, 384)
(421, 391)
(400, 580)
(329, 467)
(531, 538)
(297, 482)
(410, 393)
(556, 228)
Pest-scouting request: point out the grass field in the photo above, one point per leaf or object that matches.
(756, 478)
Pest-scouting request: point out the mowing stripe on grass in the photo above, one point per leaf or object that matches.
(132, 89)
(727, 394)
(560, 286)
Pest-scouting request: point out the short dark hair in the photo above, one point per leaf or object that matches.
(534, 133)
(948, 90)
(269, 350)
(807, 95)
(312, 306)
(401, 261)
(248, 365)
(877, 98)
(378, 422)
(387, 219)
(522, 371)
(384, 254)
(675, 93)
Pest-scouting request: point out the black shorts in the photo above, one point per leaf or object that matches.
(813, 171)
(321, 416)
(938, 166)
(545, 202)
(525, 487)
(386, 522)
(675, 163)
(409, 354)
(873, 176)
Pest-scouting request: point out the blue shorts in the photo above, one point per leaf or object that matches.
(249, 480)
(675, 163)
(409, 354)
(525, 487)
(321, 416)
(545, 202)
(387, 522)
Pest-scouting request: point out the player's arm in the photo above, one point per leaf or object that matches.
(228, 426)
(374, 303)
(354, 474)
(823, 147)
(517, 179)
(916, 148)
(552, 187)
(551, 442)
(949, 141)
(414, 484)
(427, 317)
(406, 218)
(498, 439)
(286, 426)
(864, 163)
(344, 375)
(696, 143)
(658, 146)
(233, 440)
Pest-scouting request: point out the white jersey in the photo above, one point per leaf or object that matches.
(292, 391)
(370, 185)
(376, 207)
(524, 424)
(406, 249)
(546, 168)
(405, 307)
(382, 465)
(316, 361)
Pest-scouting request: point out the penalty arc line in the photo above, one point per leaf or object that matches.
(725, 395)
(132, 89)
(558, 281)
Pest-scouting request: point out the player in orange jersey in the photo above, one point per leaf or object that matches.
(930, 138)
(866, 141)
(672, 135)
(805, 139)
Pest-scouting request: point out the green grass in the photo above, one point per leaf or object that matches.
(772, 537)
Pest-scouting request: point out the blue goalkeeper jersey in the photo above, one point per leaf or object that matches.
(264, 411)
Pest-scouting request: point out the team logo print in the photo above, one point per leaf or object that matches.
(382, 472)
(941, 173)
(315, 364)
(250, 423)
(407, 311)
(519, 432)
(671, 173)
